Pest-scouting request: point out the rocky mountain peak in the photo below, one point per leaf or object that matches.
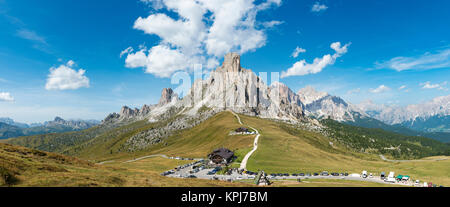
(58, 119)
(309, 94)
(231, 63)
(167, 95)
(127, 112)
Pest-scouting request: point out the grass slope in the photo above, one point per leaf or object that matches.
(205, 137)
(20, 166)
(280, 151)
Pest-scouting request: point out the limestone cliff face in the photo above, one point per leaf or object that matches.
(229, 87)
(235, 88)
(167, 95)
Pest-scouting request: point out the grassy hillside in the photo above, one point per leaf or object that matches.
(380, 141)
(198, 141)
(282, 148)
(280, 151)
(20, 166)
(374, 123)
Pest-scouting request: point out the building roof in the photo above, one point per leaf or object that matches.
(223, 152)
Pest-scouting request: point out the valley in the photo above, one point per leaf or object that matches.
(278, 152)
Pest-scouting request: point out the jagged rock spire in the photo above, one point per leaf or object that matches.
(231, 63)
(166, 96)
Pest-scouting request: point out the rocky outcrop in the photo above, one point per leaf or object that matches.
(127, 112)
(309, 94)
(232, 87)
(321, 105)
(167, 95)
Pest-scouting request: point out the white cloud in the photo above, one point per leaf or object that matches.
(31, 35)
(303, 68)
(160, 61)
(401, 87)
(429, 85)
(6, 96)
(426, 61)
(126, 51)
(70, 63)
(297, 51)
(156, 4)
(271, 24)
(380, 89)
(317, 7)
(204, 29)
(357, 90)
(66, 78)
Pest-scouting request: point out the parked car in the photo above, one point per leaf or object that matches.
(294, 174)
(316, 174)
(324, 173)
(302, 174)
(345, 174)
(383, 175)
(364, 174)
(192, 176)
(308, 174)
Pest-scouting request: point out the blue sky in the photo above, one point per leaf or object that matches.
(392, 52)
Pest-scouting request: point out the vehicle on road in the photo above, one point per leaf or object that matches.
(364, 174)
(324, 173)
(383, 176)
(390, 178)
(302, 174)
(417, 183)
(316, 174)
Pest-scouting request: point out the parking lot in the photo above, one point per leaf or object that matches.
(198, 170)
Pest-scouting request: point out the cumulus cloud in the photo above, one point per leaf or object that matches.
(380, 89)
(65, 77)
(297, 51)
(426, 61)
(6, 96)
(159, 60)
(429, 85)
(301, 67)
(156, 4)
(204, 31)
(317, 7)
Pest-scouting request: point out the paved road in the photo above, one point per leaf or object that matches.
(255, 143)
(385, 159)
(145, 157)
(203, 174)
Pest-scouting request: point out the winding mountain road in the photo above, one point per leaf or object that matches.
(255, 143)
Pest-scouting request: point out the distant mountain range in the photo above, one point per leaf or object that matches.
(235, 88)
(9, 128)
(431, 116)
(430, 119)
(231, 87)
